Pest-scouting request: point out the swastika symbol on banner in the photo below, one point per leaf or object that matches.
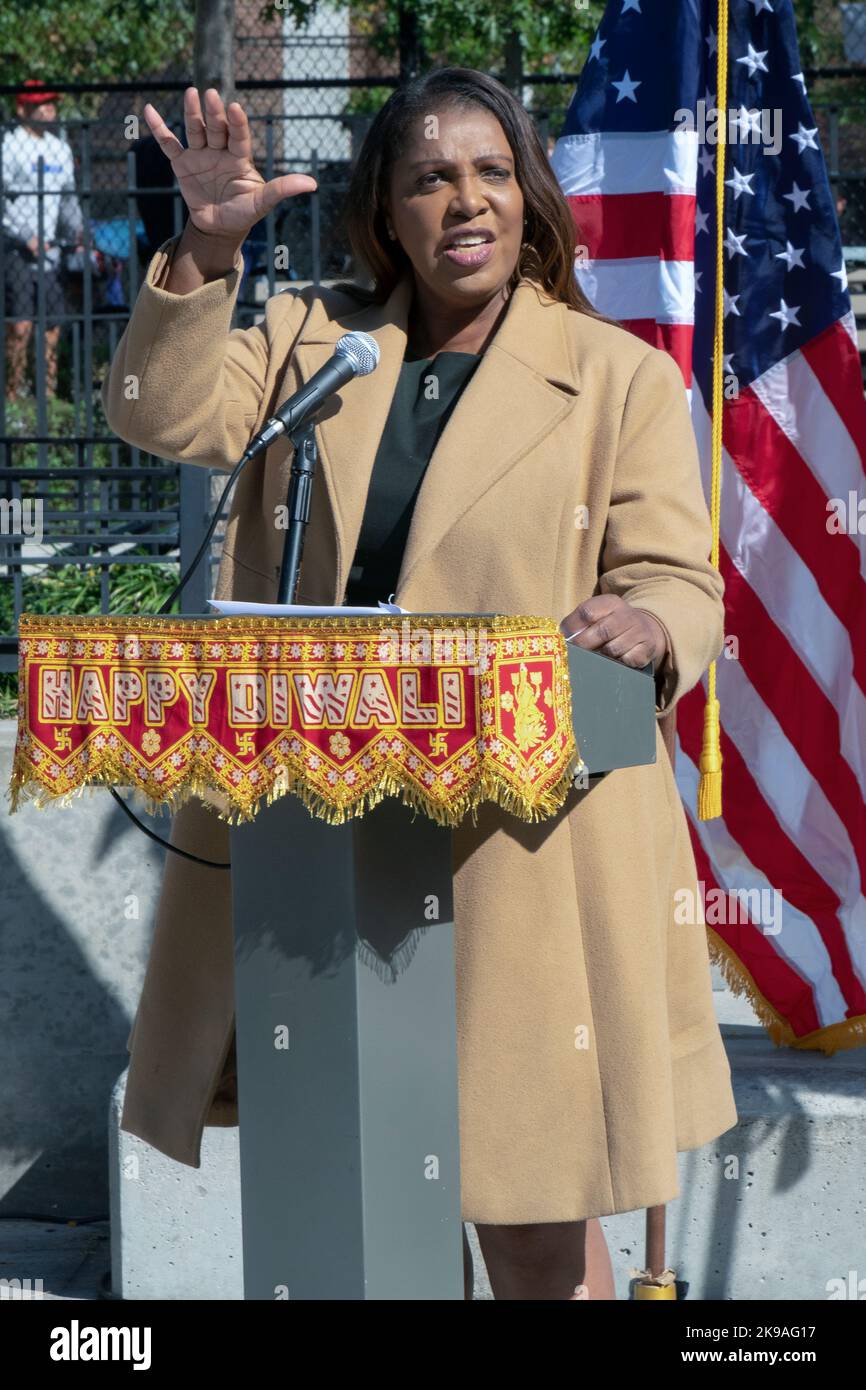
(245, 743)
(62, 739)
(438, 742)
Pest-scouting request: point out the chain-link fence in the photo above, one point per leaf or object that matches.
(84, 204)
(837, 93)
(84, 518)
(87, 523)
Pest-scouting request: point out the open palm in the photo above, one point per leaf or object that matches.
(221, 186)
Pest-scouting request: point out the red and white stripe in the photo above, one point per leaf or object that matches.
(636, 265)
(792, 701)
(792, 688)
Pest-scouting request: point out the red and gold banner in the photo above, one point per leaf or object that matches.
(443, 712)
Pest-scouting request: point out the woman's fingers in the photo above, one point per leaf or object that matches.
(617, 643)
(219, 129)
(286, 186)
(215, 121)
(632, 648)
(609, 624)
(168, 142)
(196, 135)
(595, 621)
(240, 141)
(638, 656)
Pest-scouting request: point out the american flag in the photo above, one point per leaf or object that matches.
(783, 868)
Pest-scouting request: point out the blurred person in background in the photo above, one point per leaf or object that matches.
(62, 222)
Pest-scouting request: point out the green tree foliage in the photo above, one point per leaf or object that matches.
(108, 40)
(470, 33)
(473, 33)
(92, 40)
(554, 37)
(554, 34)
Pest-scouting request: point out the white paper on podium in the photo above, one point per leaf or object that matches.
(231, 608)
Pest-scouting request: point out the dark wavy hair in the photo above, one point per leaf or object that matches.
(548, 257)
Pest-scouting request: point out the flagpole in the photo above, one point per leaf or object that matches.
(710, 784)
(658, 1281)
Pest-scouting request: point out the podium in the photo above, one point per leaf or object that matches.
(346, 1056)
(343, 929)
(346, 1029)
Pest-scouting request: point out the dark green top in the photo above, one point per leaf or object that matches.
(411, 431)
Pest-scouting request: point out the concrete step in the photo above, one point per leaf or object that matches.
(770, 1210)
(773, 1209)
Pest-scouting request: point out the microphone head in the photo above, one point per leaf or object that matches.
(362, 351)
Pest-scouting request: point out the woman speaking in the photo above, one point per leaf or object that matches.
(514, 452)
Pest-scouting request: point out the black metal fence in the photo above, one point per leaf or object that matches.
(84, 518)
(84, 204)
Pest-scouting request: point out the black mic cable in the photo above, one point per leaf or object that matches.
(162, 609)
(356, 354)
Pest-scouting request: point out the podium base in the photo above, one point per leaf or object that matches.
(346, 1053)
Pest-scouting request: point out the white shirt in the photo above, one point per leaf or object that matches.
(61, 210)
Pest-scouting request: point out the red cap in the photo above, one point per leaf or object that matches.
(35, 97)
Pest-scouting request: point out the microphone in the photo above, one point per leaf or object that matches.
(356, 354)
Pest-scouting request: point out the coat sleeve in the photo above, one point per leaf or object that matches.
(657, 539)
(183, 384)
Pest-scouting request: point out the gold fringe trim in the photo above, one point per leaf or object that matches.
(847, 1033)
(488, 786)
(52, 624)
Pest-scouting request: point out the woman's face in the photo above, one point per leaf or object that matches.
(454, 182)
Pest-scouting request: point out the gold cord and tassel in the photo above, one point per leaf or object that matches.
(710, 784)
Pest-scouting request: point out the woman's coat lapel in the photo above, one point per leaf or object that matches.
(525, 384)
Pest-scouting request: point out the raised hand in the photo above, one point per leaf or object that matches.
(224, 192)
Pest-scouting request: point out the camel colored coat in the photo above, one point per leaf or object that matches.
(564, 928)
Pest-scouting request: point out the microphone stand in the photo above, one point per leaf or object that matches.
(304, 462)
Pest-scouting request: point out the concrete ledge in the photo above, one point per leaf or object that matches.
(79, 887)
(774, 1209)
(175, 1230)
